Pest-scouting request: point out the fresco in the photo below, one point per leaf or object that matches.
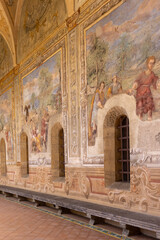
(123, 57)
(6, 121)
(41, 100)
(38, 20)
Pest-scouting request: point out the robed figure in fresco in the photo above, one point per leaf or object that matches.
(98, 101)
(115, 87)
(44, 128)
(144, 98)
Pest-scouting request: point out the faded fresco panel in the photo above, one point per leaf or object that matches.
(6, 121)
(41, 100)
(123, 56)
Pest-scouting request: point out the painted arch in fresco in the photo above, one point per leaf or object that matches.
(123, 57)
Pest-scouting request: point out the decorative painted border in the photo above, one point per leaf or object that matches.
(73, 111)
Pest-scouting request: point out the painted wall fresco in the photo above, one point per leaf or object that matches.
(123, 58)
(6, 121)
(38, 20)
(41, 100)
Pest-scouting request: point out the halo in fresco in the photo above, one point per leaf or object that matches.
(123, 57)
(41, 100)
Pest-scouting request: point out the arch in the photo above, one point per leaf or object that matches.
(7, 30)
(3, 157)
(24, 154)
(57, 151)
(37, 19)
(119, 101)
(122, 149)
(6, 59)
(69, 7)
(110, 133)
(18, 15)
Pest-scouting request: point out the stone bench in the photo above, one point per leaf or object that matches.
(129, 221)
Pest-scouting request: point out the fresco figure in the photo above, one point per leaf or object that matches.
(115, 87)
(36, 140)
(98, 101)
(144, 98)
(26, 110)
(44, 129)
(9, 144)
(9, 140)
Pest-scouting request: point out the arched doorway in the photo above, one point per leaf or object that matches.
(116, 146)
(24, 154)
(57, 151)
(3, 157)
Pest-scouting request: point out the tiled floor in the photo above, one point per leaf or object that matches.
(19, 222)
(25, 222)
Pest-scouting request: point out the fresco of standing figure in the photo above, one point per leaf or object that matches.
(98, 102)
(115, 87)
(142, 85)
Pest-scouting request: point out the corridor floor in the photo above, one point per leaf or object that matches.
(22, 221)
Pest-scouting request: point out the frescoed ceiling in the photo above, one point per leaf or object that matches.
(24, 23)
(6, 61)
(25, 19)
(11, 6)
(7, 41)
(38, 20)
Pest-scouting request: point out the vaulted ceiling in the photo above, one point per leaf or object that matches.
(22, 22)
(7, 28)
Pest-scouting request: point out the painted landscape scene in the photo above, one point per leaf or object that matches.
(6, 121)
(123, 57)
(41, 100)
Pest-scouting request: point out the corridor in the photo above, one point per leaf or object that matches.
(23, 221)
